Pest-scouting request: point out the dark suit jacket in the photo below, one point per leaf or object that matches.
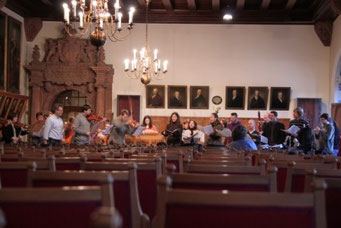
(7, 133)
(257, 103)
(272, 130)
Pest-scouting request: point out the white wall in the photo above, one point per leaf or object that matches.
(222, 55)
(335, 60)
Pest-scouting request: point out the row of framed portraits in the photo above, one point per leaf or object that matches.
(10, 50)
(235, 97)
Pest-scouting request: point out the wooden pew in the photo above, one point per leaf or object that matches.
(120, 186)
(147, 174)
(193, 208)
(50, 207)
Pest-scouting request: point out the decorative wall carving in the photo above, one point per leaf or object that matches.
(70, 64)
(33, 26)
(324, 30)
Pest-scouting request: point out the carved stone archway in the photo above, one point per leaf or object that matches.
(70, 64)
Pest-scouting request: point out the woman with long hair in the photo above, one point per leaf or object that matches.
(173, 130)
(192, 135)
(149, 128)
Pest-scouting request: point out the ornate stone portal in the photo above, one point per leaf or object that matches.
(70, 64)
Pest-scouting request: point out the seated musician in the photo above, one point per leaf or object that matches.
(173, 130)
(36, 129)
(149, 128)
(12, 133)
(239, 140)
(192, 135)
(215, 139)
(252, 132)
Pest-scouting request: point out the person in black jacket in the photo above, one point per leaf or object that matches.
(173, 131)
(273, 130)
(12, 133)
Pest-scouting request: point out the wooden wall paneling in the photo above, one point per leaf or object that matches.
(312, 109)
(336, 113)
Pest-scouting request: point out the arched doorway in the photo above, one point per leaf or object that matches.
(72, 101)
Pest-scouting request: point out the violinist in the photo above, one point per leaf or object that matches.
(11, 132)
(82, 126)
(123, 125)
(36, 129)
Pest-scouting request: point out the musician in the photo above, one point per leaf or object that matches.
(192, 136)
(273, 130)
(215, 139)
(82, 126)
(37, 128)
(12, 133)
(185, 125)
(173, 130)
(176, 100)
(234, 122)
(54, 127)
(149, 128)
(121, 126)
(240, 142)
(257, 101)
(325, 135)
(298, 118)
(252, 132)
(69, 131)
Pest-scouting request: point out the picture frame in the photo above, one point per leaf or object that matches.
(177, 97)
(13, 55)
(280, 98)
(235, 97)
(258, 98)
(199, 97)
(155, 96)
(2, 49)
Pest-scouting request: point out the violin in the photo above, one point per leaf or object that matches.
(95, 118)
(259, 122)
(133, 123)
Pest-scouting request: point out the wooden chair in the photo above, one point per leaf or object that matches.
(147, 174)
(50, 207)
(120, 186)
(193, 208)
(220, 182)
(106, 217)
(226, 169)
(14, 174)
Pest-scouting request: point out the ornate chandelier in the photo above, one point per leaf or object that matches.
(96, 20)
(147, 65)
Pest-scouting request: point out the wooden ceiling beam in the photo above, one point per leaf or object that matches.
(216, 5)
(191, 5)
(240, 4)
(168, 5)
(290, 4)
(265, 4)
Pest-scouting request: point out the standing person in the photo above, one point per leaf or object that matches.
(240, 142)
(273, 130)
(69, 131)
(192, 136)
(121, 126)
(149, 128)
(82, 126)
(12, 133)
(37, 128)
(215, 139)
(173, 130)
(298, 118)
(325, 135)
(54, 127)
(252, 132)
(234, 122)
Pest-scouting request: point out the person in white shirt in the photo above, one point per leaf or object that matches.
(192, 135)
(54, 127)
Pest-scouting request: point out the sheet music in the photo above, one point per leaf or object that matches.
(264, 139)
(208, 129)
(225, 132)
(108, 130)
(138, 131)
(293, 130)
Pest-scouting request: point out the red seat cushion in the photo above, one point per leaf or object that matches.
(122, 201)
(68, 166)
(201, 216)
(298, 182)
(333, 207)
(281, 177)
(13, 177)
(147, 191)
(49, 214)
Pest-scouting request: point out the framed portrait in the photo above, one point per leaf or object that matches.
(2, 49)
(155, 96)
(257, 98)
(199, 97)
(177, 97)
(234, 97)
(13, 54)
(280, 98)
